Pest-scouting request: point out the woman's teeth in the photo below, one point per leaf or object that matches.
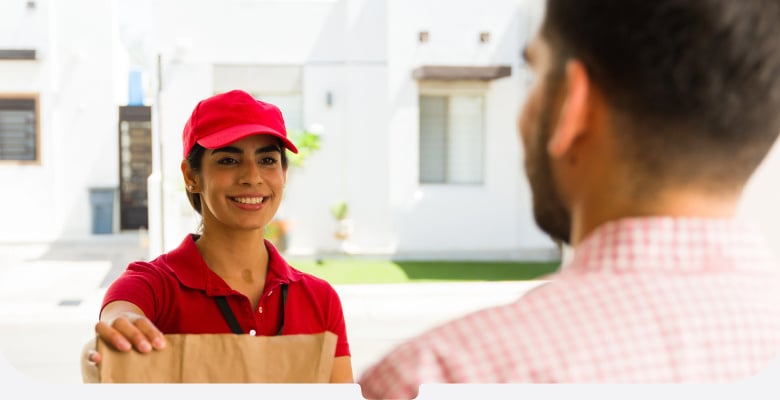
(249, 200)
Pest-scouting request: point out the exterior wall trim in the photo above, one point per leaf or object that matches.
(452, 72)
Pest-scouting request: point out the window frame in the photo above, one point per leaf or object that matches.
(35, 97)
(449, 89)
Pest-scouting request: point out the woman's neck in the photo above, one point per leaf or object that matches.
(234, 254)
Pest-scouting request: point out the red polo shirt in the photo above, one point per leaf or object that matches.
(176, 292)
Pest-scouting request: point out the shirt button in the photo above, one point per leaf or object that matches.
(260, 309)
(269, 292)
(252, 332)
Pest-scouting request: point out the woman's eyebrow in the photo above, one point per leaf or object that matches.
(227, 149)
(268, 149)
(236, 150)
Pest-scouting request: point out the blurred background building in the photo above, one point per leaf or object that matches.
(411, 103)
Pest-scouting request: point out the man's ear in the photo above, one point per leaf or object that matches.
(573, 117)
(190, 177)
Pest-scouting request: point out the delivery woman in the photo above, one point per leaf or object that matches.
(227, 278)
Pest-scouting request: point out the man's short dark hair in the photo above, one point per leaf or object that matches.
(697, 81)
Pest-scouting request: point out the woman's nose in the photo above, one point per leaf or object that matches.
(250, 174)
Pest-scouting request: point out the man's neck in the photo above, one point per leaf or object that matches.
(597, 210)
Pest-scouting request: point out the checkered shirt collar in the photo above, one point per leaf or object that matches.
(671, 244)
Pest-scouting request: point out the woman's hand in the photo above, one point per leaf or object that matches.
(124, 326)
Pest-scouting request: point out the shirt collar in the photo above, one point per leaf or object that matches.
(672, 244)
(191, 270)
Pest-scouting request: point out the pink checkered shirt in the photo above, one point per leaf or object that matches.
(643, 300)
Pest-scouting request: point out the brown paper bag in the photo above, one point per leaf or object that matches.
(222, 358)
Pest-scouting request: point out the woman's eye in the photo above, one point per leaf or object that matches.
(227, 161)
(268, 161)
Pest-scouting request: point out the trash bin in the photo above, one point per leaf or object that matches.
(102, 206)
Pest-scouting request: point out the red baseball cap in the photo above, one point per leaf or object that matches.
(227, 117)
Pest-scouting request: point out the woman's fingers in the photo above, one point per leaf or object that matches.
(127, 327)
(152, 334)
(112, 336)
(89, 363)
(94, 357)
(129, 331)
(90, 353)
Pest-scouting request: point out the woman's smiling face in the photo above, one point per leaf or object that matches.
(241, 184)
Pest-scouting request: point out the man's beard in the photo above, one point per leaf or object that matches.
(550, 214)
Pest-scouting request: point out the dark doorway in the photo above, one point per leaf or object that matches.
(135, 165)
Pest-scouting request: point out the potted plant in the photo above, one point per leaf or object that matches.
(340, 212)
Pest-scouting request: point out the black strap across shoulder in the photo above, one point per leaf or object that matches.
(224, 307)
(281, 309)
(228, 314)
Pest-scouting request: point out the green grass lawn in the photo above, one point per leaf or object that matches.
(362, 271)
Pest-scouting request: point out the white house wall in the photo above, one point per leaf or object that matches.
(251, 32)
(761, 198)
(449, 219)
(27, 208)
(85, 108)
(73, 76)
(351, 165)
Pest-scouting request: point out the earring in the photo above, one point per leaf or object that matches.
(189, 188)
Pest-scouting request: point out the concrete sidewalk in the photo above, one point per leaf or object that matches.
(50, 299)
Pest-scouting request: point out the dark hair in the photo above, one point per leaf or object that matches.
(695, 82)
(195, 159)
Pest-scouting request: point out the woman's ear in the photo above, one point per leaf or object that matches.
(191, 181)
(573, 116)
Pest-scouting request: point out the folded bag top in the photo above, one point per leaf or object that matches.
(221, 358)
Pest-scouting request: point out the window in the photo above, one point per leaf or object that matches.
(18, 129)
(452, 139)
